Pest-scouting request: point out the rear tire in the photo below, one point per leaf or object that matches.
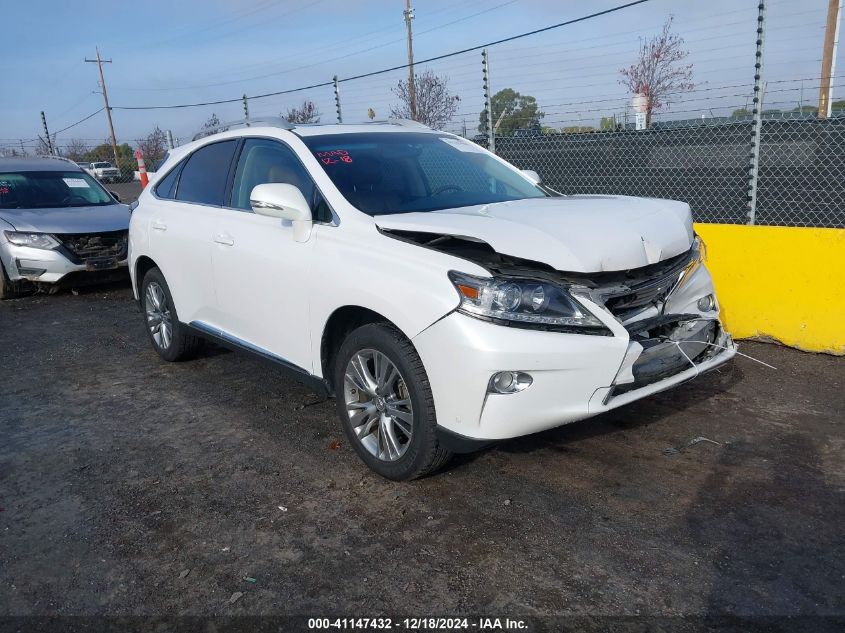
(170, 338)
(385, 404)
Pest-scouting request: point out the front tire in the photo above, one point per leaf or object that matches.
(8, 289)
(385, 404)
(169, 337)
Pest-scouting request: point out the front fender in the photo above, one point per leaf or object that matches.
(405, 283)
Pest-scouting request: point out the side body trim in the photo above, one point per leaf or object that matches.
(319, 385)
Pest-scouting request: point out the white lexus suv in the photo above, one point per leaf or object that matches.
(445, 298)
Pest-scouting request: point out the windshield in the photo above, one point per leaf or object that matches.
(102, 165)
(50, 189)
(404, 172)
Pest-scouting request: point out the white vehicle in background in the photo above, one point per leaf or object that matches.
(445, 298)
(103, 171)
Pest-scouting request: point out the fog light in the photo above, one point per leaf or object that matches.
(705, 304)
(509, 382)
(26, 271)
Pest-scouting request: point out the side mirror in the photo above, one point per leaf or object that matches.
(115, 196)
(533, 175)
(280, 200)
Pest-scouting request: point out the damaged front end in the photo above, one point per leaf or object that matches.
(668, 309)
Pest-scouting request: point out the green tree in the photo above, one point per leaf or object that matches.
(740, 112)
(607, 123)
(511, 111)
(838, 105)
(103, 152)
(806, 109)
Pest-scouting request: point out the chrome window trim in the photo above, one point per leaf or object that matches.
(335, 221)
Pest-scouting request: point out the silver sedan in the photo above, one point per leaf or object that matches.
(56, 223)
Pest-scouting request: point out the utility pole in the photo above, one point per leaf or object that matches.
(831, 40)
(170, 144)
(47, 134)
(100, 63)
(246, 110)
(412, 87)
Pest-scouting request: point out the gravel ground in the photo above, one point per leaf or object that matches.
(131, 486)
(128, 191)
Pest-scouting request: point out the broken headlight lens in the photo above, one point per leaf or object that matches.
(522, 303)
(33, 240)
(699, 248)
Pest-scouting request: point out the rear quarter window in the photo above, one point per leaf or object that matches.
(166, 187)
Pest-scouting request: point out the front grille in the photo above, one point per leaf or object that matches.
(91, 246)
(639, 296)
(652, 287)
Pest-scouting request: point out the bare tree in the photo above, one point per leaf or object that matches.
(77, 149)
(154, 146)
(211, 126)
(658, 73)
(43, 149)
(308, 112)
(435, 104)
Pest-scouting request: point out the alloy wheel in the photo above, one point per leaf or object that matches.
(158, 315)
(378, 404)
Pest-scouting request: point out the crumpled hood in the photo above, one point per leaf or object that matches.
(114, 217)
(571, 233)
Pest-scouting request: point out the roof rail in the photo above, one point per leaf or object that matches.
(57, 157)
(402, 122)
(408, 123)
(271, 121)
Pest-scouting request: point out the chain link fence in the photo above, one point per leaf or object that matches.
(800, 181)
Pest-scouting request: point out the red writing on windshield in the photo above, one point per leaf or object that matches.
(334, 156)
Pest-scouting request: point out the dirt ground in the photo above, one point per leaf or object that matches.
(131, 486)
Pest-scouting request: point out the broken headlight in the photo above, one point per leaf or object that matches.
(523, 303)
(33, 240)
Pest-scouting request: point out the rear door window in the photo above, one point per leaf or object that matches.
(166, 188)
(203, 178)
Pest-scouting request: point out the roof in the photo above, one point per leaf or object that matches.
(246, 126)
(358, 128)
(38, 163)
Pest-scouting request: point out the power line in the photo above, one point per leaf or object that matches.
(394, 68)
(78, 122)
(320, 62)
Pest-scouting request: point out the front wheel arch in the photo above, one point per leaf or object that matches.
(339, 325)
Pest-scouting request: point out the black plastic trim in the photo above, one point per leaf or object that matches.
(457, 443)
(317, 384)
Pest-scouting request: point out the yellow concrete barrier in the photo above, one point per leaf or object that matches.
(783, 283)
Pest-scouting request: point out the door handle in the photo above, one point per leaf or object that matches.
(225, 239)
(159, 226)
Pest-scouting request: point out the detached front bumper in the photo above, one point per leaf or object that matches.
(574, 376)
(37, 265)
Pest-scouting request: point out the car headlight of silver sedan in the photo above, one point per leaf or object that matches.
(33, 240)
(524, 303)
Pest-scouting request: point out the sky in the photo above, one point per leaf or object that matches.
(190, 51)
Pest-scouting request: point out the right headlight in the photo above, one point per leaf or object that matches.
(33, 240)
(524, 303)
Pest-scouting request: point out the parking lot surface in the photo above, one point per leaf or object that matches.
(133, 486)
